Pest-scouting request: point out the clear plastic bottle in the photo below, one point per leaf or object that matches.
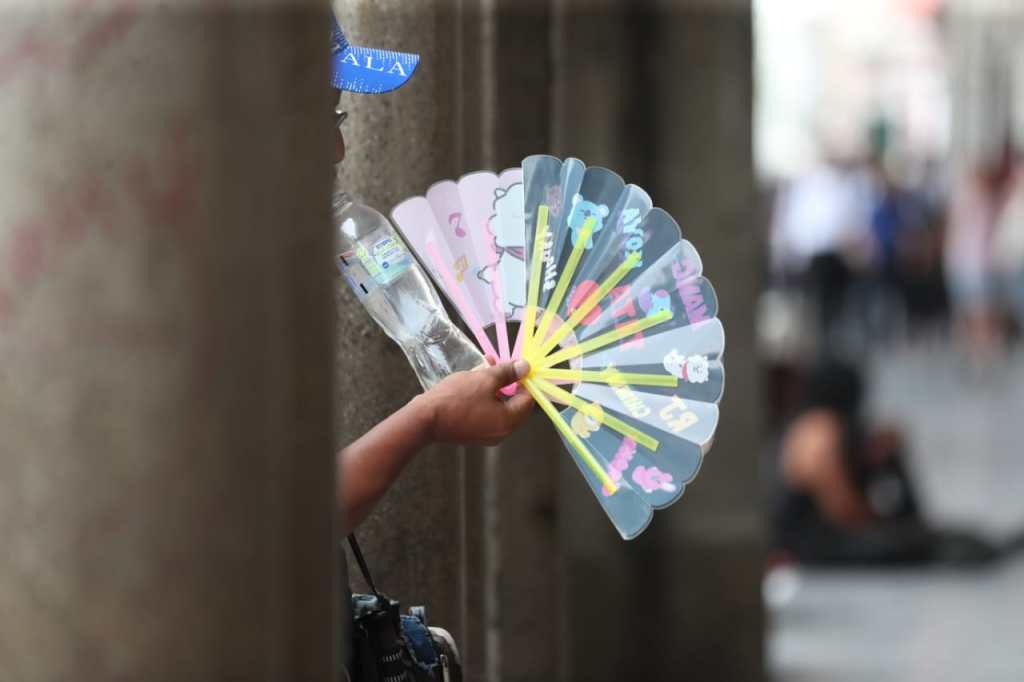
(392, 286)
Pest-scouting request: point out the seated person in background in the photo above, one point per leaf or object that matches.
(845, 496)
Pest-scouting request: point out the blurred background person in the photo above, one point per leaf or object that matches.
(891, 482)
(976, 209)
(844, 494)
(821, 233)
(1008, 251)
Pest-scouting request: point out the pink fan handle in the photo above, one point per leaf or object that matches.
(460, 300)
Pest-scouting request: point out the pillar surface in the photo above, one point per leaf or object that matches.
(398, 144)
(683, 600)
(165, 467)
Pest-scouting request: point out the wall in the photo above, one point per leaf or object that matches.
(661, 91)
(165, 467)
(397, 144)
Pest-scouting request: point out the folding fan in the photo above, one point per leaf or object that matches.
(614, 315)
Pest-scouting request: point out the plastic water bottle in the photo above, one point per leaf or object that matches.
(392, 286)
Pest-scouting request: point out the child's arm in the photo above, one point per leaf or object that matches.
(464, 408)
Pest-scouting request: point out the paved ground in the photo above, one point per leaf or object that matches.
(932, 625)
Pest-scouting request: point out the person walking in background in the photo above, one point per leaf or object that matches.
(821, 236)
(1008, 251)
(975, 211)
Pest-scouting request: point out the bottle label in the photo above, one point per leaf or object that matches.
(361, 286)
(387, 260)
(382, 263)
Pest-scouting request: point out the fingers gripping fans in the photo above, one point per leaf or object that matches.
(615, 317)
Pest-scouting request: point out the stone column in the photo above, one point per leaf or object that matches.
(666, 85)
(478, 546)
(398, 144)
(166, 461)
(703, 175)
(528, 463)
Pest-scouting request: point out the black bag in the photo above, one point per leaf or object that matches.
(387, 646)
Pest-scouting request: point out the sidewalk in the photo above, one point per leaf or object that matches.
(937, 624)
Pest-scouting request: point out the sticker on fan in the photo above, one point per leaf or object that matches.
(460, 266)
(694, 369)
(507, 222)
(455, 222)
(579, 294)
(627, 396)
(677, 416)
(652, 479)
(550, 271)
(553, 198)
(654, 302)
(629, 223)
(688, 287)
(619, 464)
(508, 239)
(622, 307)
(584, 424)
(581, 211)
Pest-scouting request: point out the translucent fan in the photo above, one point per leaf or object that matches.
(614, 315)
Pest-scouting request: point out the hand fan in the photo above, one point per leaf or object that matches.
(615, 317)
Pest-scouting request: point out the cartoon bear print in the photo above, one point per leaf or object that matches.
(694, 369)
(584, 425)
(654, 302)
(581, 210)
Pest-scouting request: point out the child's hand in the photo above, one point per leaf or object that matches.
(466, 408)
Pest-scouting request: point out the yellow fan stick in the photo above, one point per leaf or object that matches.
(592, 411)
(590, 303)
(606, 339)
(571, 436)
(533, 291)
(555, 302)
(606, 377)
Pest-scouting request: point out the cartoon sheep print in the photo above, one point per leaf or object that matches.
(506, 228)
(694, 369)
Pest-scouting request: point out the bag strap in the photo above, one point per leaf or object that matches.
(364, 569)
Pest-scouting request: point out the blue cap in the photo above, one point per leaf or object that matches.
(367, 70)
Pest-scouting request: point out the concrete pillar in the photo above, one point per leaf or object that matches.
(165, 467)
(529, 580)
(667, 90)
(398, 144)
(478, 547)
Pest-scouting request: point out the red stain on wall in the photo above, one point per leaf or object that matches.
(173, 199)
(26, 252)
(29, 50)
(6, 310)
(37, 51)
(161, 191)
(89, 205)
(104, 33)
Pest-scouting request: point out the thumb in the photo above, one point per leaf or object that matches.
(518, 408)
(508, 372)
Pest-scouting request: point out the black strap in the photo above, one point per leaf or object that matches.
(358, 554)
